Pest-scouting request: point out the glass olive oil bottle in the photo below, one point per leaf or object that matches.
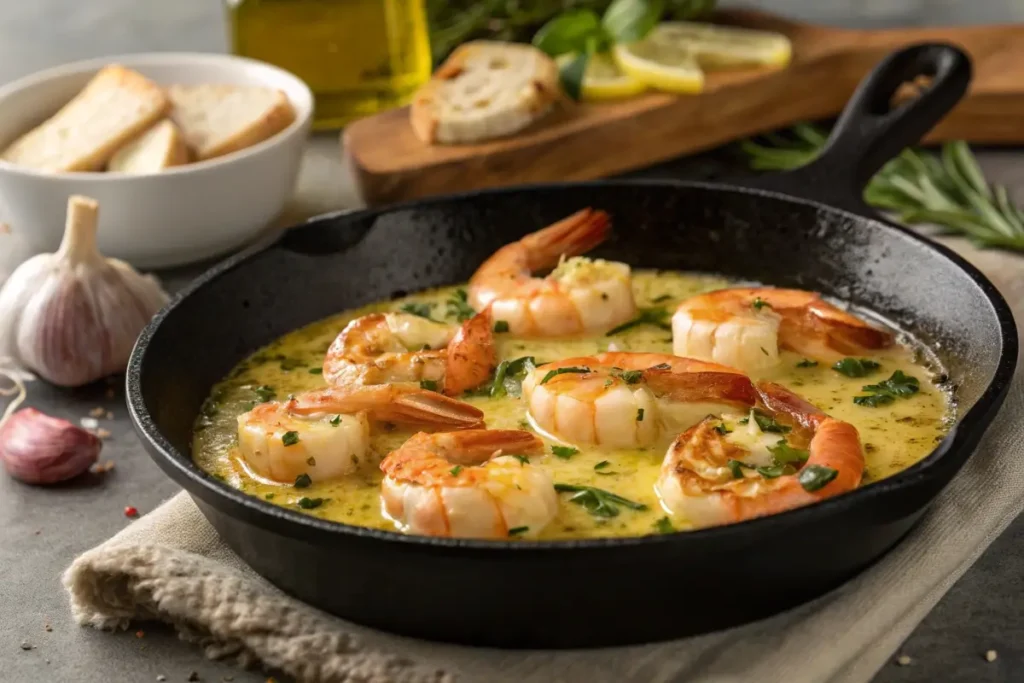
(358, 56)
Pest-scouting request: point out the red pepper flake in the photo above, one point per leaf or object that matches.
(140, 634)
(131, 511)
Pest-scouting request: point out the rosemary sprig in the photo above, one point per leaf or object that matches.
(947, 190)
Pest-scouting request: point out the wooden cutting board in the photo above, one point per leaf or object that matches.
(586, 141)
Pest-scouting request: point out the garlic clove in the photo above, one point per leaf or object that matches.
(73, 316)
(39, 449)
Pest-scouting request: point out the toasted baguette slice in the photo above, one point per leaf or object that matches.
(485, 89)
(160, 147)
(115, 106)
(219, 119)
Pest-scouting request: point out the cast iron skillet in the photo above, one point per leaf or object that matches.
(807, 228)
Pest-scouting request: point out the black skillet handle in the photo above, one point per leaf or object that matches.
(869, 132)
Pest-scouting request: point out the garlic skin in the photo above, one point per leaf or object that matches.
(73, 316)
(38, 449)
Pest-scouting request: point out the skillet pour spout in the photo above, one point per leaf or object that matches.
(807, 229)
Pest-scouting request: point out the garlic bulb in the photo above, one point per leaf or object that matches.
(73, 316)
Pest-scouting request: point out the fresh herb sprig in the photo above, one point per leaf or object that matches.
(598, 502)
(947, 190)
(582, 33)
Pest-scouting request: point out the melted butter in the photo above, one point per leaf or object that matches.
(894, 436)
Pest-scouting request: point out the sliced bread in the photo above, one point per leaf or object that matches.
(485, 89)
(160, 147)
(114, 107)
(219, 119)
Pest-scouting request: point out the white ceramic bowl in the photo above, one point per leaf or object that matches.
(156, 220)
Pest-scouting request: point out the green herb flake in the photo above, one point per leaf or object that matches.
(310, 503)
(290, 438)
(269, 496)
(660, 299)
(760, 303)
(598, 502)
(899, 385)
(265, 393)
(517, 530)
(736, 467)
(302, 481)
(639, 414)
(316, 371)
(632, 376)
(336, 420)
(289, 364)
(722, 428)
(501, 326)
(564, 452)
(457, 306)
(785, 454)
(509, 376)
(815, 477)
(311, 461)
(563, 371)
(655, 315)
(428, 384)
(807, 363)
(766, 423)
(523, 460)
(602, 465)
(455, 470)
(856, 367)
(421, 310)
(772, 471)
(664, 526)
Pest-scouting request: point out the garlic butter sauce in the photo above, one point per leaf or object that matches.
(894, 435)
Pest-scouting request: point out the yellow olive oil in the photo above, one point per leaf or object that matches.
(359, 57)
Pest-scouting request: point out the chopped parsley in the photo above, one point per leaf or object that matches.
(760, 303)
(899, 385)
(269, 496)
(523, 460)
(302, 481)
(814, 477)
(562, 371)
(598, 502)
(785, 454)
(655, 315)
(290, 438)
(422, 310)
(631, 376)
(663, 526)
(856, 367)
(766, 423)
(564, 452)
(639, 414)
(336, 420)
(500, 326)
(316, 371)
(661, 299)
(457, 306)
(807, 363)
(455, 470)
(310, 503)
(509, 376)
(736, 467)
(428, 384)
(722, 428)
(516, 530)
(774, 471)
(265, 393)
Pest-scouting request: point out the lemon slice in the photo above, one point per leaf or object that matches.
(603, 80)
(665, 66)
(723, 47)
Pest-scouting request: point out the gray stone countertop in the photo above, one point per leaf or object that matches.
(41, 530)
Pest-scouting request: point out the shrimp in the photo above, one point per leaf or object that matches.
(470, 484)
(324, 434)
(712, 476)
(746, 327)
(399, 347)
(629, 400)
(581, 296)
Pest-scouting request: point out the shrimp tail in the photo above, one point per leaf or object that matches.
(779, 399)
(572, 236)
(471, 356)
(701, 386)
(390, 403)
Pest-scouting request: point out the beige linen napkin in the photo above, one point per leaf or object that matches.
(171, 566)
